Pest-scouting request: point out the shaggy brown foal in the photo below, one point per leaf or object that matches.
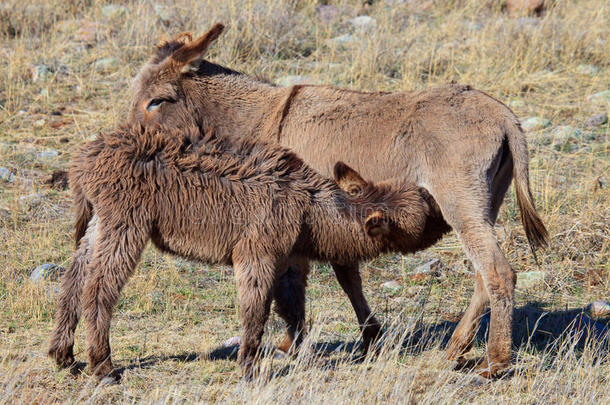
(218, 200)
(460, 144)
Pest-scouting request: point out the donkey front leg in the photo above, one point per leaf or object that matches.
(255, 283)
(116, 254)
(61, 346)
(289, 295)
(350, 281)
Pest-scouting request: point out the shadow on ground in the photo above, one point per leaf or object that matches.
(533, 327)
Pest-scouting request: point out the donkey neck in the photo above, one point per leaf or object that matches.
(234, 103)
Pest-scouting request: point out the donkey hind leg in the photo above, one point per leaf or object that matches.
(349, 279)
(255, 283)
(61, 346)
(116, 254)
(479, 242)
(289, 295)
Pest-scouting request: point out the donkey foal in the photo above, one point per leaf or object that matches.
(220, 200)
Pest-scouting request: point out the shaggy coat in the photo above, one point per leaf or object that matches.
(460, 144)
(238, 202)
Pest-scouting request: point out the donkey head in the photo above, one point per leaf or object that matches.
(159, 95)
(392, 211)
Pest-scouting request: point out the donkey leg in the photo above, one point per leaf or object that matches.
(463, 337)
(349, 279)
(116, 254)
(289, 295)
(255, 283)
(61, 346)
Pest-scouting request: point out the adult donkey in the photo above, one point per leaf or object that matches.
(462, 145)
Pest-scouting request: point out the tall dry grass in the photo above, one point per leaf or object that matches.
(174, 315)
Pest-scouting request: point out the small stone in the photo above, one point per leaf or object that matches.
(40, 72)
(601, 97)
(516, 104)
(48, 154)
(342, 39)
(293, 80)
(327, 13)
(166, 14)
(112, 11)
(431, 267)
(599, 309)
(7, 174)
(534, 123)
(597, 120)
(104, 64)
(391, 285)
(364, 22)
(530, 278)
(39, 123)
(47, 271)
(587, 70)
(234, 341)
(564, 137)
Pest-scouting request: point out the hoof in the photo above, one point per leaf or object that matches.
(63, 357)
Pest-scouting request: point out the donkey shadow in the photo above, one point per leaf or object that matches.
(532, 327)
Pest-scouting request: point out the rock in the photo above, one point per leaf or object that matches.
(364, 22)
(39, 123)
(47, 271)
(166, 14)
(391, 285)
(58, 180)
(525, 6)
(234, 341)
(565, 137)
(40, 72)
(342, 39)
(327, 13)
(112, 11)
(534, 123)
(516, 104)
(293, 80)
(530, 278)
(30, 201)
(48, 154)
(601, 97)
(599, 309)
(586, 69)
(7, 174)
(597, 120)
(428, 269)
(104, 64)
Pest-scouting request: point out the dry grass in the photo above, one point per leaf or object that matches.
(174, 315)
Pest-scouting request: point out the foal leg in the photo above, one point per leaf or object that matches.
(255, 283)
(350, 281)
(61, 346)
(116, 254)
(289, 295)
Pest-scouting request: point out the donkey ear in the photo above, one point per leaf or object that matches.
(376, 225)
(192, 51)
(348, 179)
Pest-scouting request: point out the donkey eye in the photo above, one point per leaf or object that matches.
(156, 103)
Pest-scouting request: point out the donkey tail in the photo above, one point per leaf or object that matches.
(536, 233)
(84, 212)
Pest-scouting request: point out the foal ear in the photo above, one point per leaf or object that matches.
(348, 179)
(192, 51)
(376, 225)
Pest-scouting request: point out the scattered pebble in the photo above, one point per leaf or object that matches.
(234, 341)
(534, 123)
(516, 104)
(599, 309)
(342, 39)
(39, 123)
(47, 271)
(391, 285)
(104, 64)
(564, 137)
(7, 174)
(587, 70)
(430, 267)
(364, 22)
(597, 120)
(530, 278)
(48, 154)
(293, 80)
(40, 72)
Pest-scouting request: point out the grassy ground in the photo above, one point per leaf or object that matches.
(174, 315)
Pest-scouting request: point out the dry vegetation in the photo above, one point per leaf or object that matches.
(174, 315)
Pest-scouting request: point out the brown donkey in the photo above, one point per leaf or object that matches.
(220, 200)
(462, 145)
